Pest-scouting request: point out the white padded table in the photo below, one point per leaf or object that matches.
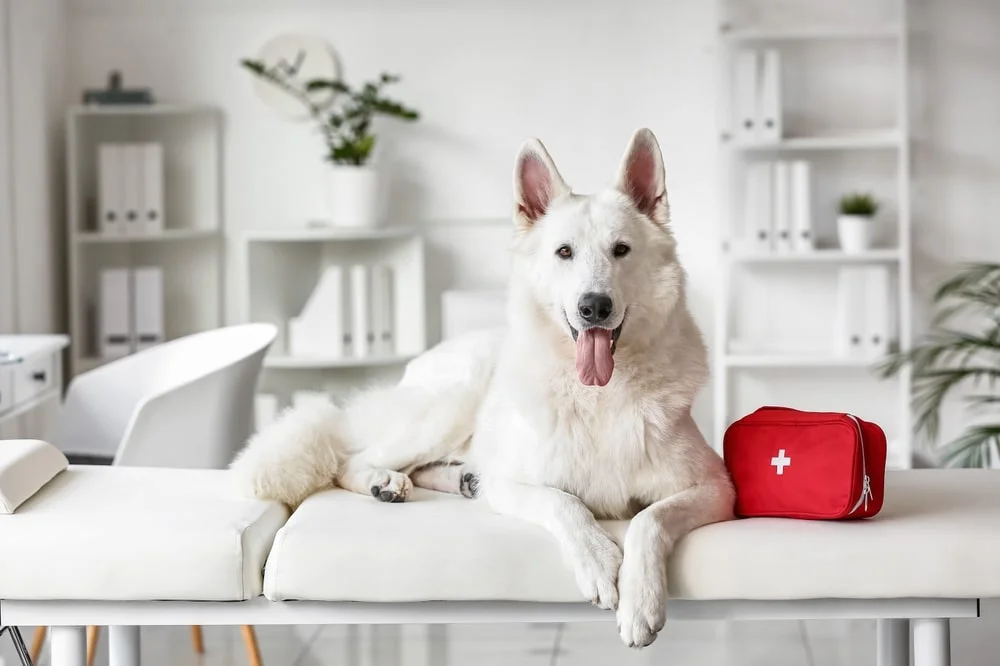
(928, 541)
(131, 533)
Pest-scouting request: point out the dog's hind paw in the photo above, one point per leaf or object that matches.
(389, 486)
(469, 485)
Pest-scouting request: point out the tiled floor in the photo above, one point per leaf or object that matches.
(683, 642)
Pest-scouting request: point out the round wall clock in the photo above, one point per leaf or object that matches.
(299, 58)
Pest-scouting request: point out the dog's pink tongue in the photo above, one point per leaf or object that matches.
(594, 362)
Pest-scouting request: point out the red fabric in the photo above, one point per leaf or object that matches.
(795, 464)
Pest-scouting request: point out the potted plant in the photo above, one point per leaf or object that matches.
(962, 359)
(346, 128)
(854, 224)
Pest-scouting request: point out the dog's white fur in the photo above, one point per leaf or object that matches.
(508, 406)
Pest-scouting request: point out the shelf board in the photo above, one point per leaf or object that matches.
(140, 109)
(168, 235)
(779, 361)
(312, 234)
(319, 362)
(824, 256)
(874, 140)
(812, 32)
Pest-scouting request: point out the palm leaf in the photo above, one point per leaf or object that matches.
(973, 448)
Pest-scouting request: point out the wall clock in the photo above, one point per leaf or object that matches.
(299, 57)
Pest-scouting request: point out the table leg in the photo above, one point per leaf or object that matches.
(931, 642)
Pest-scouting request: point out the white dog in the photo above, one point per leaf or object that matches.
(580, 409)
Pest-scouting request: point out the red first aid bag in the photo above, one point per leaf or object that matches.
(815, 465)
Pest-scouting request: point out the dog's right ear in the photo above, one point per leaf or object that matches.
(537, 183)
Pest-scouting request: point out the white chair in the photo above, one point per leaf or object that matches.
(186, 403)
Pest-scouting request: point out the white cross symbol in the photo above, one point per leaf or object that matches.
(781, 461)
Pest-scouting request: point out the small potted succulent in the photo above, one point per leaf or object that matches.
(855, 224)
(346, 127)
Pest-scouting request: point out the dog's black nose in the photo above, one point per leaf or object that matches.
(595, 308)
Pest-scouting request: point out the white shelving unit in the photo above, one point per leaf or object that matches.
(801, 287)
(190, 249)
(282, 267)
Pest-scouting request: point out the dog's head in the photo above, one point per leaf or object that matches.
(602, 267)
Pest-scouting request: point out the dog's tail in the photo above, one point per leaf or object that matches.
(293, 457)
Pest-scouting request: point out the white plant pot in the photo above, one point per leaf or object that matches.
(355, 196)
(855, 233)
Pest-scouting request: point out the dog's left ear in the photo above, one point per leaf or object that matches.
(642, 178)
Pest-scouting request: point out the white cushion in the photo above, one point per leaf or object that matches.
(25, 466)
(130, 533)
(937, 536)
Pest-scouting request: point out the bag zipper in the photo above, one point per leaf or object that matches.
(866, 488)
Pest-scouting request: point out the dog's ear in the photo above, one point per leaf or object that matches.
(642, 178)
(537, 183)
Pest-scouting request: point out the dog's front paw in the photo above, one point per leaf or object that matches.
(642, 609)
(389, 486)
(596, 559)
(468, 485)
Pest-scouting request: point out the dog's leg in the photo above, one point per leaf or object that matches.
(447, 478)
(651, 536)
(590, 551)
(385, 485)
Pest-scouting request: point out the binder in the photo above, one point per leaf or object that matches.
(769, 119)
(110, 172)
(803, 239)
(361, 334)
(746, 95)
(850, 327)
(147, 306)
(115, 306)
(151, 215)
(319, 328)
(759, 196)
(132, 163)
(381, 309)
(782, 207)
(876, 316)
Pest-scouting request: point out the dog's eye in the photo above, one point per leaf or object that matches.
(621, 249)
(565, 252)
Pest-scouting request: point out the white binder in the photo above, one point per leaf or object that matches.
(319, 328)
(381, 309)
(851, 306)
(746, 96)
(151, 216)
(758, 207)
(361, 332)
(877, 315)
(132, 188)
(803, 239)
(769, 120)
(782, 207)
(115, 307)
(110, 204)
(147, 306)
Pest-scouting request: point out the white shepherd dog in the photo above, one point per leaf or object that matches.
(579, 410)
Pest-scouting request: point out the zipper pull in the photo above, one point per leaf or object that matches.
(866, 490)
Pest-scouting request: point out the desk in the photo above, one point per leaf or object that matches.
(30, 372)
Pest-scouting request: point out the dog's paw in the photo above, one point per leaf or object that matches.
(389, 486)
(469, 485)
(642, 609)
(596, 559)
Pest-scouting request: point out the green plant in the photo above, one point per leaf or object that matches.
(347, 125)
(859, 203)
(966, 359)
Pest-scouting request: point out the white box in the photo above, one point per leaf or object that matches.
(361, 332)
(746, 95)
(152, 215)
(464, 311)
(115, 308)
(782, 207)
(132, 187)
(850, 328)
(877, 315)
(769, 120)
(803, 238)
(319, 328)
(381, 309)
(265, 410)
(147, 306)
(110, 198)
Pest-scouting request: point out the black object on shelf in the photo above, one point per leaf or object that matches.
(116, 94)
